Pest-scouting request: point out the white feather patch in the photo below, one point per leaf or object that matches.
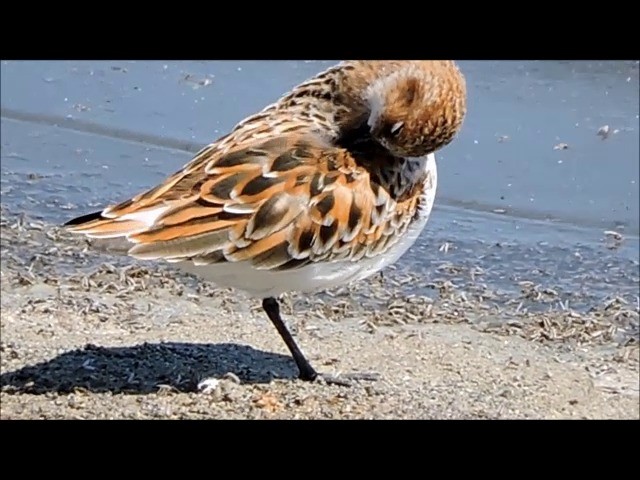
(148, 217)
(240, 208)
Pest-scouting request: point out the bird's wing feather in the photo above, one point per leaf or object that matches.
(278, 203)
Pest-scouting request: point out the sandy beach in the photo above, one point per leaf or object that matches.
(127, 340)
(519, 300)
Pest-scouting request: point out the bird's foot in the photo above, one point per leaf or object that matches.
(342, 379)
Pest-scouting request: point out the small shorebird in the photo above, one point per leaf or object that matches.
(329, 185)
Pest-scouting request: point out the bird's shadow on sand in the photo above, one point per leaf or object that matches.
(147, 368)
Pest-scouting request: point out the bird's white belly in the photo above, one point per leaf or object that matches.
(321, 275)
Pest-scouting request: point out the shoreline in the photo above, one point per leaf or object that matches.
(87, 335)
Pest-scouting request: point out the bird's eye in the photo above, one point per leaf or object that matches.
(396, 128)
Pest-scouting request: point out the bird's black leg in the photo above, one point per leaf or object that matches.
(307, 372)
(272, 308)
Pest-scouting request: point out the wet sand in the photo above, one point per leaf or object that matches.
(128, 340)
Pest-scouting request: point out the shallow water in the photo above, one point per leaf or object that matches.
(76, 135)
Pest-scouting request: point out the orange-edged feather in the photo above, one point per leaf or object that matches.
(298, 198)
